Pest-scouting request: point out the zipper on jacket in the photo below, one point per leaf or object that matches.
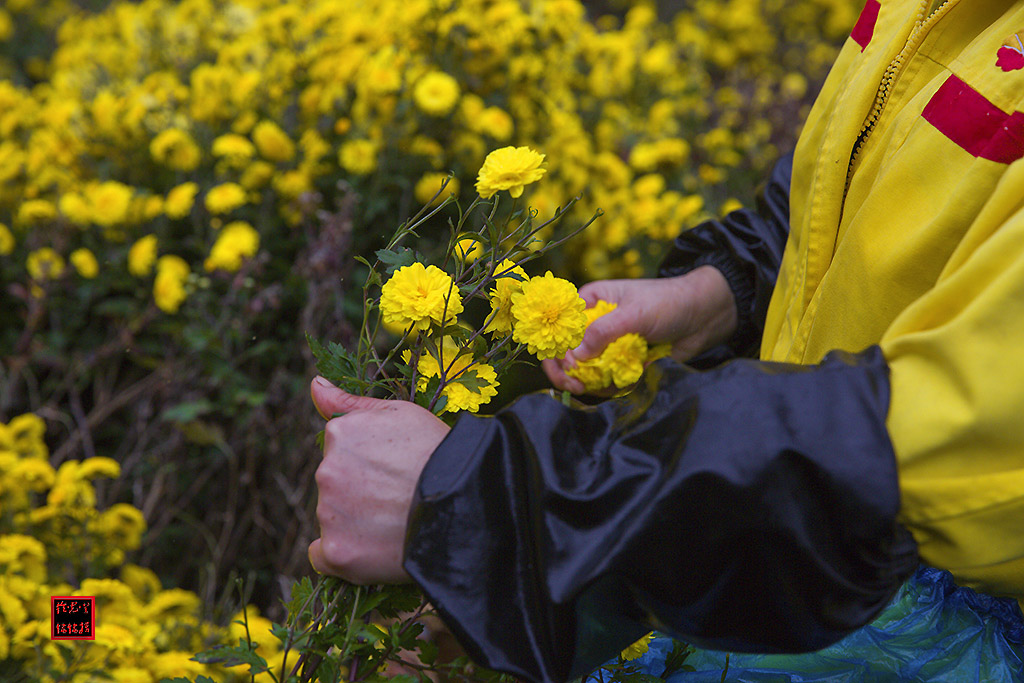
(922, 25)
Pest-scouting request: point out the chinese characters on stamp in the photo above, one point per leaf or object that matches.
(72, 617)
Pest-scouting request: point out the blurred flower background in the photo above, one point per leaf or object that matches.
(183, 187)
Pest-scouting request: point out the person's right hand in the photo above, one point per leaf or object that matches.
(692, 312)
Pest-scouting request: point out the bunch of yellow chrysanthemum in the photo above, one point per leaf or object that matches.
(543, 315)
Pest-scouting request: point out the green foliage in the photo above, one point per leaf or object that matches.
(336, 364)
(241, 654)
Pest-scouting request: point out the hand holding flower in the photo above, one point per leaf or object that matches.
(373, 455)
(691, 313)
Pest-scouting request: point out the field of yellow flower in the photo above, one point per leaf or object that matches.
(184, 185)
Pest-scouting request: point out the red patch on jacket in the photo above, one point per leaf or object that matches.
(1010, 56)
(1009, 59)
(864, 29)
(979, 127)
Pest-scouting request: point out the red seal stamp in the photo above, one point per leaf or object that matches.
(72, 617)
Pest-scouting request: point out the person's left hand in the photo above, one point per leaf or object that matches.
(373, 456)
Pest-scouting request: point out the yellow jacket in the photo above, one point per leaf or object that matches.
(907, 230)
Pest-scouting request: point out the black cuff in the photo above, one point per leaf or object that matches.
(746, 246)
(748, 508)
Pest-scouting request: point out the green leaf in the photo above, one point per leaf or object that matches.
(675, 659)
(442, 401)
(301, 590)
(182, 679)
(406, 635)
(428, 651)
(329, 669)
(187, 411)
(469, 379)
(336, 364)
(371, 601)
(280, 631)
(243, 653)
(396, 259)
(401, 598)
(119, 307)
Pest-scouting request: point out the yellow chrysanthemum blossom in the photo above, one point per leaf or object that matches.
(625, 358)
(180, 200)
(150, 207)
(174, 664)
(131, 674)
(6, 26)
(142, 256)
(32, 475)
(236, 242)
(75, 208)
(45, 264)
(85, 263)
(175, 149)
(169, 285)
(358, 157)
(428, 147)
(417, 296)
(143, 582)
(259, 630)
(25, 431)
(457, 362)
(505, 286)
(101, 466)
(496, 123)
(123, 525)
(509, 168)
(109, 202)
(548, 316)
(428, 185)
(637, 649)
(272, 142)
(171, 602)
(469, 249)
(234, 147)
(292, 184)
(225, 198)
(11, 610)
(110, 592)
(7, 241)
(622, 361)
(19, 550)
(117, 638)
(35, 210)
(436, 93)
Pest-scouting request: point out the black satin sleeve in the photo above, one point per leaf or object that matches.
(746, 247)
(747, 508)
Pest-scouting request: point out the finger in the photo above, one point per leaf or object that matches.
(316, 558)
(591, 292)
(599, 335)
(556, 373)
(330, 400)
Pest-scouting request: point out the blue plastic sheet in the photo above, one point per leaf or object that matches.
(933, 630)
